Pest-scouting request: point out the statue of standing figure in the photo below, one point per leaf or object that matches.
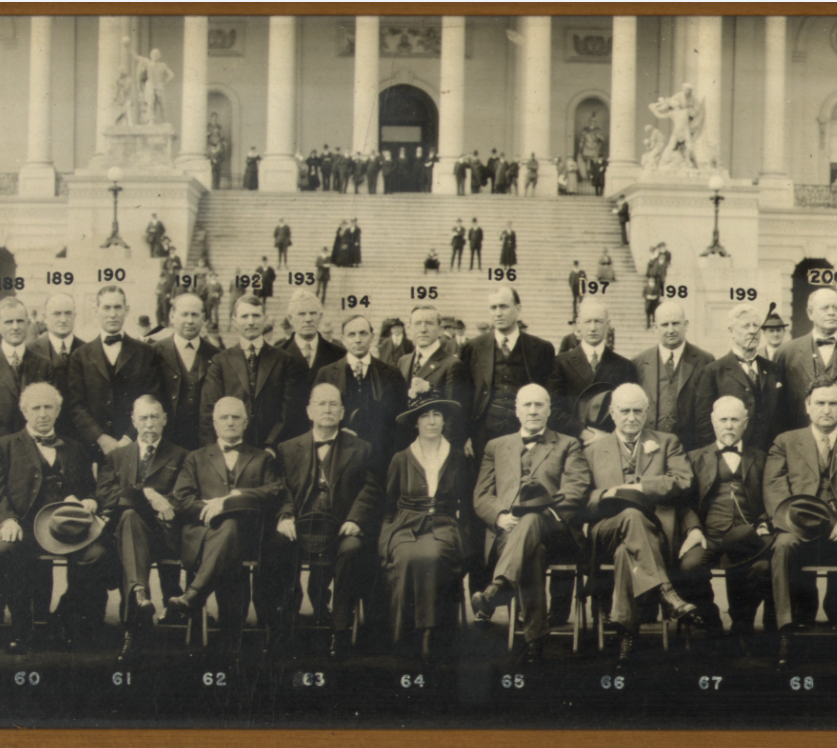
(216, 147)
(152, 76)
(590, 145)
(686, 113)
(655, 143)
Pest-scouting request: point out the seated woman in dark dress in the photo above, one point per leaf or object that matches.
(421, 545)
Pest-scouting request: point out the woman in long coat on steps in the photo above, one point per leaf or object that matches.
(508, 247)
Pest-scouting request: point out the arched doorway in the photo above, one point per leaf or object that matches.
(591, 127)
(8, 269)
(219, 105)
(407, 118)
(801, 289)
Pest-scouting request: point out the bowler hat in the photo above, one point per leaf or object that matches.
(743, 544)
(625, 498)
(65, 526)
(592, 406)
(533, 496)
(774, 321)
(806, 517)
(235, 506)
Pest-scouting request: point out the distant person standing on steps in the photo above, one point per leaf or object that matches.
(457, 243)
(577, 275)
(323, 274)
(251, 171)
(475, 242)
(624, 212)
(605, 272)
(282, 240)
(508, 244)
(531, 175)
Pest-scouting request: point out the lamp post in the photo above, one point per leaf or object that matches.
(114, 240)
(716, 183)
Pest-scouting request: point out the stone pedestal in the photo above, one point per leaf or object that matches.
(775, 192)
(137, 149)
(36, 180)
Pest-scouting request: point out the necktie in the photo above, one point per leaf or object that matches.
(146, 462)
(232, 447)
(251, 368)
(752, 369)
(15, 363)
(358, 370)
(309, 354)
(63, 353)
(594, 361)
(536, 439)
(825, 341)
(112, 339)
(823, 447)
(417, 364)
(189, 346)
(505, 348)
(670, 366)
(49, 441)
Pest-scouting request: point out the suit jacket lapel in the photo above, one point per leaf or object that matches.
(807, 449)
(170, 355)
(485, 355)
(267, 360)
(375, 380)
(737, 372)
(340, 458)
(216, 459)
(709, 469)
(159, 458)
(245, 456)
(97, 357)
(611, 458)
(542, 451)
(687, 366)
(432, 363)
(514, 448)
(643, 458)
(304, 458)
(808, 353)
(133, 463)
(32, 451)
(239, 365)
(204, 355)
(7, 375)
(126, 352)
(578, 360)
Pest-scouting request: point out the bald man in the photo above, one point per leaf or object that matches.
(589, 362)
(327, 472)
(669, 373)
(214, 483)
(802, 360)
(531, 490)
(638, 512)
(742, 373)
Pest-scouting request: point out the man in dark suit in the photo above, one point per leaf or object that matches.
(343, 166)
(267, 380)
(373, 392)
(154, 233)
(39, 467)
(326, 163)
(623, 211)
(429, 361)
(591, 361)
(457, 243)
(669, 373)
(727, 497)
(323, 273)
(355, 253)
(107, 375)
(637, 512)
(325, 472)
(499, 363)
(134, 487)
(803, 462)
(491, 167)
(183, 361)
(576, 276)
(19, 366)
(338, 166)
(310, 349)
(268, 276)
(743, 374)
(215, 484)
(801, 360)
(373, 168)
(475, 236)
(396, 345)
(550, 468)
(460, 171)
(282, 240)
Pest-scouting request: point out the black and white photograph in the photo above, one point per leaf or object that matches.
(418, 371)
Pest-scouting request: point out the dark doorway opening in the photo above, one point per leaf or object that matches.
(408, 119)
(801, 289)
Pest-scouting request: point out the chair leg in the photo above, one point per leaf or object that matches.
(356, 621)
(189, 630)
(512, 621)
(665, 634)
(204, 627)
(597, 617)
(577, 617)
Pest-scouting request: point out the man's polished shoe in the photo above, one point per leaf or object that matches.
(485, 602)
(172, 618)
(140, 609)
(130, 649)
(17, 647)
(626, 649)
(533, 653)
(186, 602)
(783, 660)
(341, 644)
(675, 607)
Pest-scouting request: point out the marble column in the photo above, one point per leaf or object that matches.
(365, 120)
(678, 59)
(192, 159)
(690, 50)
(110, 55)
(622, 169)
(775, 187)
(536, 121)
(37, 177)
(279, 171)
(708, 88)
(451, 103)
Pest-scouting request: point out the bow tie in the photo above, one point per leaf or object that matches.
(111, 339)
(536, 439)
(733, 450)
(48, 441)
(326, 443)
(232, 447)
(825, 341)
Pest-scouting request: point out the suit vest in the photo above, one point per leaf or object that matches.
(667, 397)
(722, 513)
(509, 376)
(359, 416)
(188, 404)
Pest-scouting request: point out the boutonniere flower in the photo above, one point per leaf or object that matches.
(417, 387)
(650, 446)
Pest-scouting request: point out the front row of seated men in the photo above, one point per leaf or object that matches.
(632, 499)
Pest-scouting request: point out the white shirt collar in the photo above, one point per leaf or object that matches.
(9, 349)
(143, 446)
(665, 353)
(537, 433)
(352, 360)
(588, 349)
(34, 433)
(302, 342)
(513, 335)
(103, 335)
(429, 351)
(832, 437)
(622, 439)
(739, 445)
(257, 344)
(56, 342)
(181, 343)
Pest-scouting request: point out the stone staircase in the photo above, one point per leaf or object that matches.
(398, 231)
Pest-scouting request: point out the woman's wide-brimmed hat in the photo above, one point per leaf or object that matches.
(423, 396)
